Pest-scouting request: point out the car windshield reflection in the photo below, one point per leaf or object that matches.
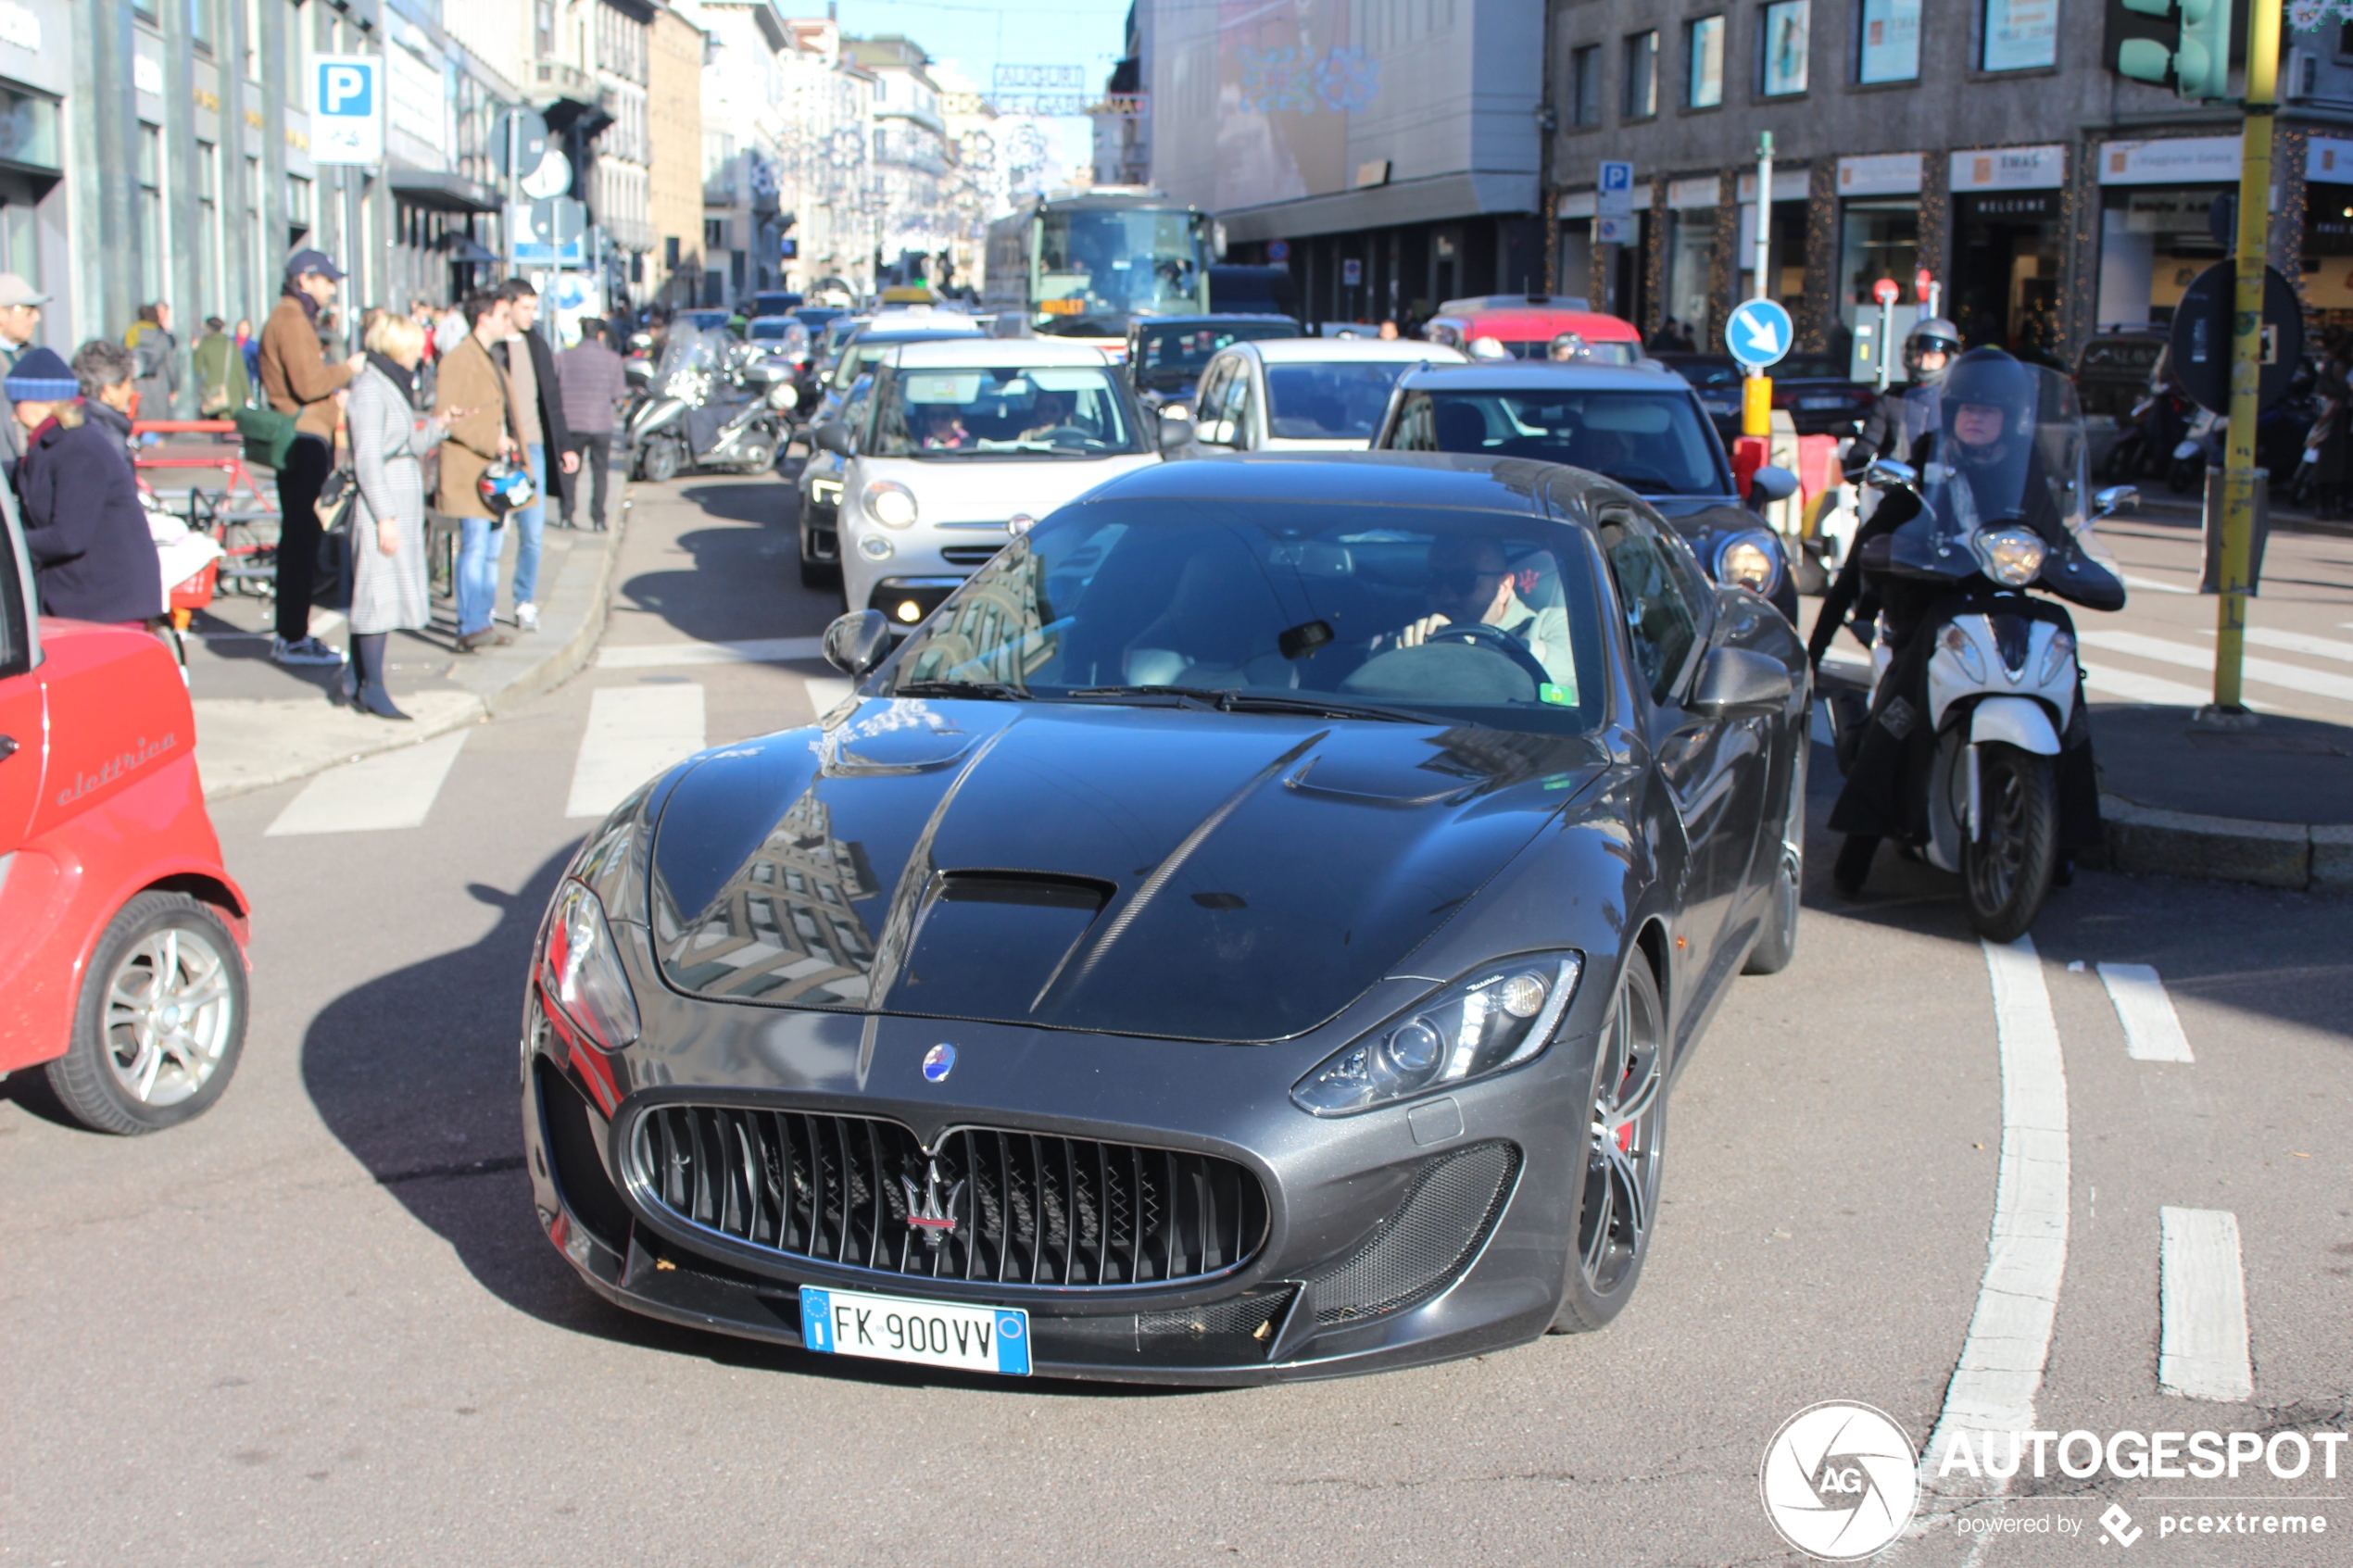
(1653, 443)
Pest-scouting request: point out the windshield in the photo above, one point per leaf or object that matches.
(1610, 352)
(1112, 263)
(859, 358)
(688, 357)
(1062, 411)
(781, 330)
(1653, 443)
(1459, 616)
(703, 320)
(1171, 358)
(1328, 401)
(2003, 446)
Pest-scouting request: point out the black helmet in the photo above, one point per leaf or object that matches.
(1935, 335)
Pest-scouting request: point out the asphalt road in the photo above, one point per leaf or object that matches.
(321, 1324)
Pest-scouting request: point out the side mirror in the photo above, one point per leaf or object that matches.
(832, 436)
(1175, 429)
(1769, 484)
(2115, 498)
(1886, 473)
(1218, 432)
(856, 643)
(1736, 681)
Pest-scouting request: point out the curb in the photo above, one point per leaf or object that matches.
(2281, 522)
(557, 665)
(2299, 856)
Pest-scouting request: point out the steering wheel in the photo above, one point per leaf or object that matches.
(1068, 435)
(1477, 634)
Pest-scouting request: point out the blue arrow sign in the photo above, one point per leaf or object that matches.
(1758, 333)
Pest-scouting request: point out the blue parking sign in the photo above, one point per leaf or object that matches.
(1759, 332)
(346, 116)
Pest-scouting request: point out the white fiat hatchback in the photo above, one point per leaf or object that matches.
(962, 444)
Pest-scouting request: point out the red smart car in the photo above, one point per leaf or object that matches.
(122, 938)
(1524, 326)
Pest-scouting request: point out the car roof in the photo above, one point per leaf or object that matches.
(1214, 319)
(1366, 479)
(1526, 324)
(1345, 350)
(873, 337)
(943, 352)
(1539, 375)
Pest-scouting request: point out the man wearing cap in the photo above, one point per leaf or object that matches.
(20, 305)
(297, 380)
(93, 556)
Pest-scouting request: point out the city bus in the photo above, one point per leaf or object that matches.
(1081, 264)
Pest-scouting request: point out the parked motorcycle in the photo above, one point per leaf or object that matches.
(1974, 750)
(711, 406)
(2280, 433)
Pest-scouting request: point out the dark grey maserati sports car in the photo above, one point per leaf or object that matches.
(1249, 930)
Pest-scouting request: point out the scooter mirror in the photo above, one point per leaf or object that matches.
(2115, 498)
(1889, 474)
(856, 643)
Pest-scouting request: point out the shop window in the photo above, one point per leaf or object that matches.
(1585, 85)
(1704, 48)
(1783, 43)
(1875, 240)
(1889, 44)
(2021, 34)
(1691, 269)
(1641, 77)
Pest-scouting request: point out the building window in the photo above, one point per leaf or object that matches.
(1703, 44)
(1890, 45)
(253, 41)
(1783, 42)
(298, 209)
(155, 244)
(543, 28)
(28, 129)
(2021, 34)
(212, 274)
(201, 23)
(715, 233)
(1642, 76)
(1585, 85)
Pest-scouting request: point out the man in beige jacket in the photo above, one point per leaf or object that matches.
(469, 394)
(297, 380)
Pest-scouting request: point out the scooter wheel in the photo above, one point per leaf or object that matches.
(659, 465)
(2008, 870)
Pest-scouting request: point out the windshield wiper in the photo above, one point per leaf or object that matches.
(1183, 697)
(1330, 708)
(989, 691)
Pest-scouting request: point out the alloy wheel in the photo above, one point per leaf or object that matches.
(169, 1016)
(1624, 1145)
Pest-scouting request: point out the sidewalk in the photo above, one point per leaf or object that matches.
(260, 724)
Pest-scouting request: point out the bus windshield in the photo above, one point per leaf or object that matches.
(1098, 262)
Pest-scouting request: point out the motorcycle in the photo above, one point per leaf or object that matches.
(2147, 430)
(712, 406)
(1974, 750)
(2280, 434)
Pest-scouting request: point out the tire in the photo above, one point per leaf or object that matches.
(659, 465)
(163, 1084)
(1777, 944)
(1623, 1144)
(2183, 476)
(2008, 876)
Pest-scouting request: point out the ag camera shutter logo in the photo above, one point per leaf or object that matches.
(1839, 1481)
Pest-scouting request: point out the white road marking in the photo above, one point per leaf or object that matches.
(392, 789)
(2271, 672)
(2152, 1029)
(2130, 685)
(2297, 642)
(2201, 1301)
(2000, 1370)
(2153, 585)
(634, 733)
(663, 656)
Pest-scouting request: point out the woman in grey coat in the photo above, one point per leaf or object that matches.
(389, 441)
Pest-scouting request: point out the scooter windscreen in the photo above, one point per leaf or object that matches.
(689, 360)
(2004, 485)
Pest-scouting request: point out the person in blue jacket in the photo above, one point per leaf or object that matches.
(93, 556)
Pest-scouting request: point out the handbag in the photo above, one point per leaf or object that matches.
(268, 436)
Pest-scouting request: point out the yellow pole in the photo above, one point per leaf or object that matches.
(2246, 350)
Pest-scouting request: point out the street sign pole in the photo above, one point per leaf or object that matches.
(2246, 355)
(1757, 393)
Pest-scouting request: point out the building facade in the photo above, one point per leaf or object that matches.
(1982, 143)
(673, 113)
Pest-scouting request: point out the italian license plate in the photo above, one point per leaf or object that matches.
(1822, 403)
(894, 1328)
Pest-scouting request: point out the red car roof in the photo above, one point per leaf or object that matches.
(1532, 326)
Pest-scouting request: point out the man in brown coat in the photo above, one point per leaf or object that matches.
(298, 381)
(470, 393)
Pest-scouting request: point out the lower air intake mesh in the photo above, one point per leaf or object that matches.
(1427, 1240)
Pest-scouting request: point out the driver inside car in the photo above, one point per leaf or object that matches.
(1048, 412)
(943, 428)
(1472, 583)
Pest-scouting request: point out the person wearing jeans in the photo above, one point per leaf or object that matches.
(536, 416)
(470, 398)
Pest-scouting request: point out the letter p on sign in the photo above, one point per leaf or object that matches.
(345, 89)
(347, 123)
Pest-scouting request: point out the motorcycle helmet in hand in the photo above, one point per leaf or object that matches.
(506, 487)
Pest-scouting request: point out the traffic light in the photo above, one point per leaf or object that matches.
(2184, 43)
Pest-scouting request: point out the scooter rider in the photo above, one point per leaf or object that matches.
(1930, 349)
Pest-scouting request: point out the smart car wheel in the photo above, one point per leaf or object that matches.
(160, 1021)
(1618, 1196)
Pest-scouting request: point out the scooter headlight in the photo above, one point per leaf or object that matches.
(1956, 642)
(2061, 655)
(891, 504)
(1749, 561)
(2012, 557)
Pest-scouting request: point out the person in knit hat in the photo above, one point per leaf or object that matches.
(94, 558)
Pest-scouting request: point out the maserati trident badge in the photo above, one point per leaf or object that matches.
(927, 1210)
(940, 1061)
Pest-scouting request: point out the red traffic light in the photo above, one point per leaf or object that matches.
(1885, 290)
(1921, 284)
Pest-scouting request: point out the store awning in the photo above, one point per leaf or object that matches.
(441, 189)
(464, 249)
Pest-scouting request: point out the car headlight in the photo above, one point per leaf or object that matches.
(580, 975)
(890, 503)
(1749, 561)
(1501, 1016)
(2012, 557)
